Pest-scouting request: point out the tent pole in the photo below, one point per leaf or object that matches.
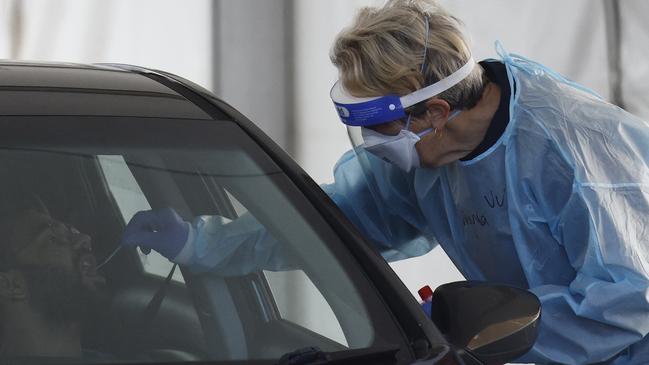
(614, 47)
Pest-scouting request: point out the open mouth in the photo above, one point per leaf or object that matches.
(88, 270)
(88, 265)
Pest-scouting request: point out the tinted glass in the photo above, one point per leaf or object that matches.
(273, 277)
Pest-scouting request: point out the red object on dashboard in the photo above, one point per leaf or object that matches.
(425, 293)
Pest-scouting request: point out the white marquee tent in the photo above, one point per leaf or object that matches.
(270, 58)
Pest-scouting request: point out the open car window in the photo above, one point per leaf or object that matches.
(297, 286)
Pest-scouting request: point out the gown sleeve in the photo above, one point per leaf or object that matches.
(603, 229)
(244, 245)
(233, 247)
(380, 200)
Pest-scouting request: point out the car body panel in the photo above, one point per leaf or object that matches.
(65, 89)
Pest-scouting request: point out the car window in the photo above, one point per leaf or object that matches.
(267, 275)
(130, 199)
(299, 301)
(297, 298)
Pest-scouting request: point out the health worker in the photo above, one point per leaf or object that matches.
(522, 176)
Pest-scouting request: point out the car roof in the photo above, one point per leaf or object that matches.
(46, 88)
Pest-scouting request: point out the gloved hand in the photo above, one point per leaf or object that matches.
(162, 230)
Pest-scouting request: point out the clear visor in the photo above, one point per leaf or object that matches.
(381, 188)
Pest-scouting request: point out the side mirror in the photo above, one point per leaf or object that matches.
(492, 324)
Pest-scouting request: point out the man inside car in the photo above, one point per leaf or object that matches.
(48, 284)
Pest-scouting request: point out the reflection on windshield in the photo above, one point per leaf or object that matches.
(67, 291)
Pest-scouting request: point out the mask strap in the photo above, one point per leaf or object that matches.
(425, 132)
(453, 114)
(450, 117)
(423, 62)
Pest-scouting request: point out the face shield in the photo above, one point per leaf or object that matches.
(358, 114)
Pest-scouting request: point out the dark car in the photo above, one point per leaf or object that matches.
(85, 147)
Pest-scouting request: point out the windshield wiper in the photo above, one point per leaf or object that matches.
(315, 356)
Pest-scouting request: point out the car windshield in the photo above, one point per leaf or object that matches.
(70, 185)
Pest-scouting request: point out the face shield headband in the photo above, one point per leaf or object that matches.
(362, 112)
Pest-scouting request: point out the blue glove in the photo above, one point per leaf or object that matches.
(162, 230)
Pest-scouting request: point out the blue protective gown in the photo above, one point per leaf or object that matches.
(559, 205)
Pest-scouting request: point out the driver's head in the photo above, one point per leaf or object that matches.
(45, 264)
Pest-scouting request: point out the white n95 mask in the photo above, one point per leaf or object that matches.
(399, 149)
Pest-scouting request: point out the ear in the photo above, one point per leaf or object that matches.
(437, 112)
(13, 286)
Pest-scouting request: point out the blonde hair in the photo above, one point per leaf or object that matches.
(383, 50)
